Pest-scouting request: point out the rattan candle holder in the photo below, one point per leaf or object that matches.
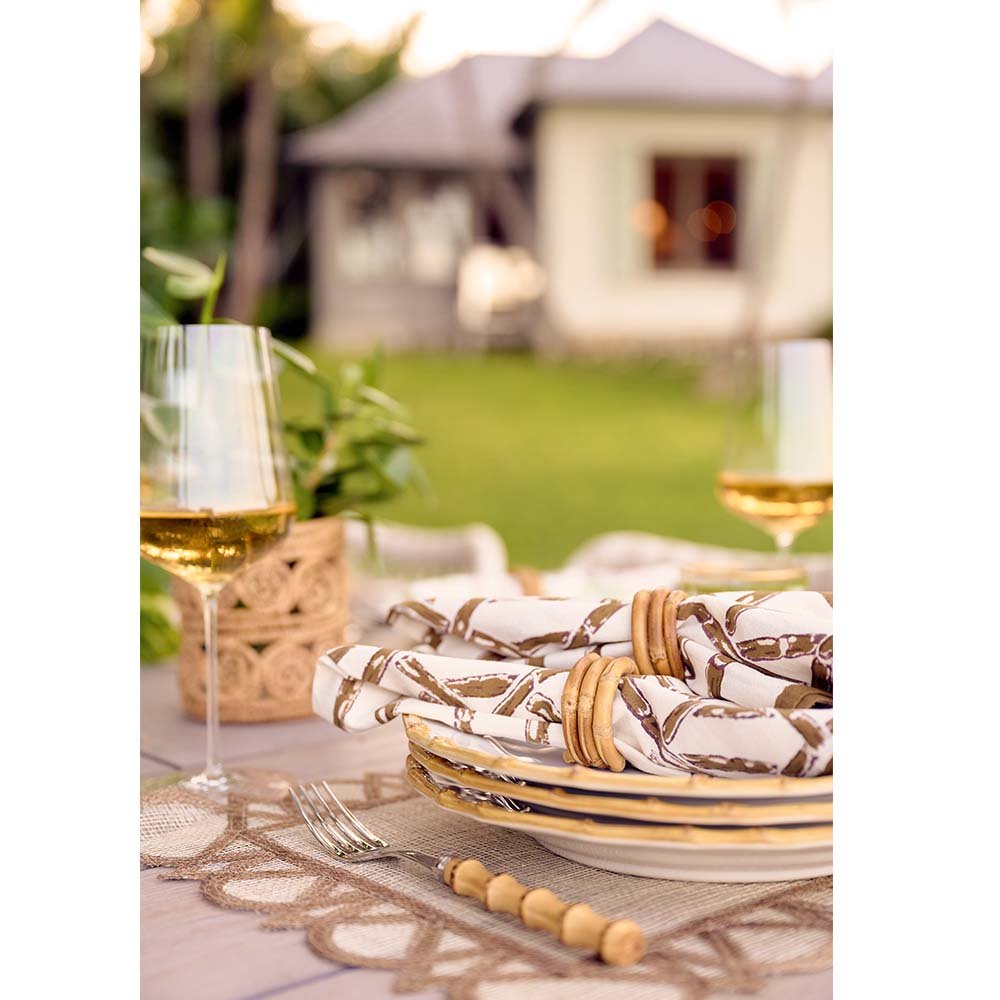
(275, 619)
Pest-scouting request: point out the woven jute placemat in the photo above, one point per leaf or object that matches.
(258, 856)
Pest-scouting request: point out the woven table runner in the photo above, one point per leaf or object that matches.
(259, 856)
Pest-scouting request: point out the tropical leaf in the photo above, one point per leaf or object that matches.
(212, 295)
(182, 286)
(177, 264)
(382, 399)
(295, 358)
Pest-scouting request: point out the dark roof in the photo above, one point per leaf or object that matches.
(464, 115)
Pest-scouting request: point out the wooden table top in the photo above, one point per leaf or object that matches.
(191, 948)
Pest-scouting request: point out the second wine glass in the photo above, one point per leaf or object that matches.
(777, 470)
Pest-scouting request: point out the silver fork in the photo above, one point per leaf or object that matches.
(343, 835)
(348, 838)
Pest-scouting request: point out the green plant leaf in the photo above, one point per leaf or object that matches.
(382, 399)
(158, 635)
(373, 368)
(295, 358)
(353, 452)
(183, 286)
(397, 467)
(211, 297)
(177, 264)
(305, 502)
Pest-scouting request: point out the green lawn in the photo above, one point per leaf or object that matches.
(551, 453)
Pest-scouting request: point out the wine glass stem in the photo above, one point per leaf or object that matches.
(783, 540)
(210, 607)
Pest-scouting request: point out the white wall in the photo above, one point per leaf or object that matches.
(593, 165)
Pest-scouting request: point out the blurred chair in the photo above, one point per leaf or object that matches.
(434, 556)
(409, 553)
(497, 290)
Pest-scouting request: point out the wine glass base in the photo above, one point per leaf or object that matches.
(250, 782)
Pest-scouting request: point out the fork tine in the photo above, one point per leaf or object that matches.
(317, 831)
(335, 808)
(331, 819)
(324, 817)
(374, 840)
(356, 843)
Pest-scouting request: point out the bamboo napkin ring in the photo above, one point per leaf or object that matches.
(607, 688)
(585, 711)
(618, 942)
(675, 663)
(570, 699)
(654, 631)
(640, 610)
(656, 642)
(587, 701)
(529, 579)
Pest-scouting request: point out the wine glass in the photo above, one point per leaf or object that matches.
(777, 468)
(214, 486)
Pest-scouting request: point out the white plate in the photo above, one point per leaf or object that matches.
(686, 864)
(545, 765)
(651, 851)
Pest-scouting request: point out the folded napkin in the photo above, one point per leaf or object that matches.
(755, 697)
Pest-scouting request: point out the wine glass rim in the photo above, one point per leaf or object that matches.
(779, 342)
(210, 327)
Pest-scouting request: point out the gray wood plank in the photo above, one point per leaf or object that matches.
(809, 986)
(338, 754)
(372, 984)
(192, 948)
(167, 733)
(154, 767)
(350, 984)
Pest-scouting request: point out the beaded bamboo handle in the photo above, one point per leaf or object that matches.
(618, 942)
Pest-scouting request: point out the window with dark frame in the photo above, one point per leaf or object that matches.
(690, 220)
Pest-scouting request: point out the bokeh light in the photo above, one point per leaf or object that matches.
(649, 218)
(723, 217)
(717, 218)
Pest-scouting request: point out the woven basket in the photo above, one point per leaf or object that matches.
(275, 619)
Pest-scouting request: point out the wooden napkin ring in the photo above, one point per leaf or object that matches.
(607, 688)
(587, 702)
(585, 712)
(529, 579)
(640, 627)
(655, 645)
(675, 662)
(570, 700)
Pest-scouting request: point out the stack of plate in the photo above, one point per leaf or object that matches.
(692, 827)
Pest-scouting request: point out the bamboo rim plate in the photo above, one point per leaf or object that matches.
(534, 765)
(650, 852)
(648, 808)
(765, 837)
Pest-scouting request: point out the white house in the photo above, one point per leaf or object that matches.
(671, 192)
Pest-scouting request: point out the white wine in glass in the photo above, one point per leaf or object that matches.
(214, 487)
(206, 548)
(777, 469)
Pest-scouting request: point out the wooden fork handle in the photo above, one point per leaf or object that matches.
(617, 942)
